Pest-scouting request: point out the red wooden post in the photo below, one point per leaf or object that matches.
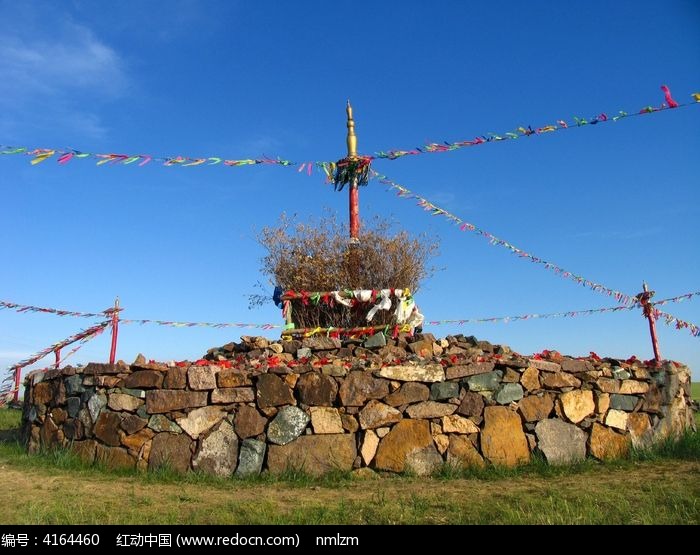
(648, 311)
(115, 331)
(18, 374)
(57, 354)
(354, 212)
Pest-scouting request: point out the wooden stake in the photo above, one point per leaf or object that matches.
(649, 314)
(115, 331)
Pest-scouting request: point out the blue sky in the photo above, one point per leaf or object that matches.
(616, 203)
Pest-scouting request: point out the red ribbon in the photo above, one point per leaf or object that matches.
(669, 99)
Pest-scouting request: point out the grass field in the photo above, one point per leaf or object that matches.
(658, 487)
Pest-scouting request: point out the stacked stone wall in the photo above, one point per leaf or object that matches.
(410, 404)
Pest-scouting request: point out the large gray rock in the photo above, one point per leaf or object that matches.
(73, 406)
(560, 442)
(218, 453)
(375, 341)
(74, 384)
(444, 390)
(484, 382)
(288, 425)
(423, 462)
(508, 392)
(160, 423)
(623, 402)
(250, 458)
(314, 454)
(95, 405)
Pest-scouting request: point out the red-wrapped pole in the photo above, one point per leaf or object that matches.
(57, 354)
(354, 211)
(115, 331)
(354, 192)
(648, 311)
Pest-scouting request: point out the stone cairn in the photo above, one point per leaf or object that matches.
(319, 404)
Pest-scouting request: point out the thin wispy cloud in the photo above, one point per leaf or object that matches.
(54, 77)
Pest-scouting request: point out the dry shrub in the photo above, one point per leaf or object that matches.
(316, 256)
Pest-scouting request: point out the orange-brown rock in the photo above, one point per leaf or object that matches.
(114, 457)
(313, 454)
(577, 404)
(144, 379)
(640, 429)
(134, 442)
(273, 392)
(409, 392)
(503, 440)
(462, 453)
(557, 380)
(229, 377)
(405, 437)
(534, 408)
(607, 444)
(633, 387)
(530, 378)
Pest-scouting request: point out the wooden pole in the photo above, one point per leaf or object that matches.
(648, 311)
(18, 374)
(115, 331)
(57, 354)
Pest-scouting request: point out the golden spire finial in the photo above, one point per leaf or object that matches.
(351, 138)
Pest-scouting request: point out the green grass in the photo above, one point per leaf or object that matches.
(656, 486)
(10, 418)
